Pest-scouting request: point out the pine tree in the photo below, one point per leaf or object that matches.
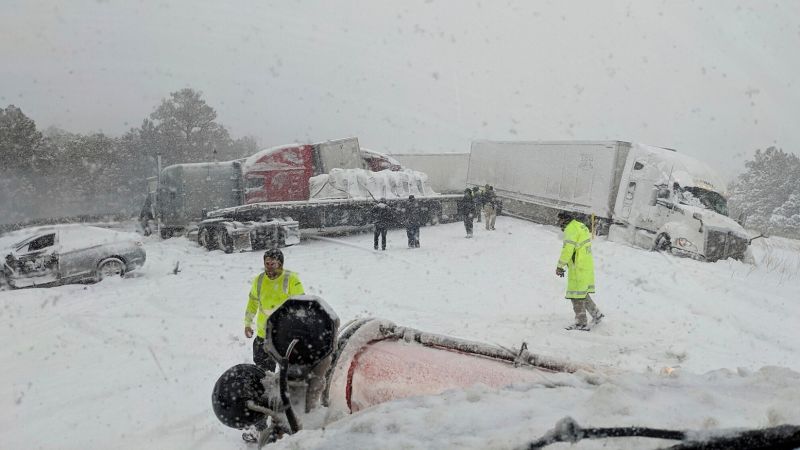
(188, 131)
(767, 193)
(785, 220)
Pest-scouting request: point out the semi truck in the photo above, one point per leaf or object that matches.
(271, 197)
(651, 197)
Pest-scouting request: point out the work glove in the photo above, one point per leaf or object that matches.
(560, 272)
(248, 332)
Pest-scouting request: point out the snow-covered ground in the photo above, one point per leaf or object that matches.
(130, 363)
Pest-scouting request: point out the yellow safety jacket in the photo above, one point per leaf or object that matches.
(267, 295)
(576, 256)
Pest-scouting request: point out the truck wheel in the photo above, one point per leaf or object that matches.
(110, 267)
(204, 239)
(663, 243)
(224, 242)
(166, 233)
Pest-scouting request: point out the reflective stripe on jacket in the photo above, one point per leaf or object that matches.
(576, 256)
(267, 295)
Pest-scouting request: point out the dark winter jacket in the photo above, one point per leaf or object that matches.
(477, 196)
(466, 206)
(413, 213)
(382, 215)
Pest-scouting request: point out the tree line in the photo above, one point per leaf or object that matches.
(55, 173)
(766, 197)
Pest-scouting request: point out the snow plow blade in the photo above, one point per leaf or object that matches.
(378, 361)
(369, 362)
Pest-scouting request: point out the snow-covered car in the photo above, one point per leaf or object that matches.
(60, 254)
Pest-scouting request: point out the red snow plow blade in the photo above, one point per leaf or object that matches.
(369, 362)
(377, 362)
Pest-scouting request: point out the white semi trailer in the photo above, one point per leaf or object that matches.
(648, 196)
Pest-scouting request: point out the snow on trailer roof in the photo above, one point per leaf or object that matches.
(252, 161)
(676, 167)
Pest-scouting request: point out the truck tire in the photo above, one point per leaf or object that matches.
(110, 267)
(204, 239)
(663, 243)
(224, 241)
(166, 233)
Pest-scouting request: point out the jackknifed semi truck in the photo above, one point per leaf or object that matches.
(651, 197)
(271, 197)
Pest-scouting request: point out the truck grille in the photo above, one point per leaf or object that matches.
(723, 245)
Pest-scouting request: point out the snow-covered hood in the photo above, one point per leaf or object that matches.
(713, 219)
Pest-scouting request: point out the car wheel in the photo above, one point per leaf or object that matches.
(224, 241)
(110, 267)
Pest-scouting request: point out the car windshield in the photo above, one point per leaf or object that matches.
(25, 242)
(704, 198)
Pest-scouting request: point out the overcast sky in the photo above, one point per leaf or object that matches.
(713, 79)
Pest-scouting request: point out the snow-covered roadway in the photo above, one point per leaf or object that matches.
(130, 363)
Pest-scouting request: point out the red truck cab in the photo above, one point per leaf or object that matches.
(279, 174)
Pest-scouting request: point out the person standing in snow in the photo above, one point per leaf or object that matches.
(413, 219)
(489, 205)
(467, 207)
(147, 218)
(270, 289)
(382, 218)
(477, 195)
(576, 257)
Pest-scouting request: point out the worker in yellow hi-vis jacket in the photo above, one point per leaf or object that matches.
(576, 257)
(270, 289)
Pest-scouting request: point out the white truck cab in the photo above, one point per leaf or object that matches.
(671, 202)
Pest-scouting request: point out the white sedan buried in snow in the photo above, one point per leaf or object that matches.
(59, 254)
